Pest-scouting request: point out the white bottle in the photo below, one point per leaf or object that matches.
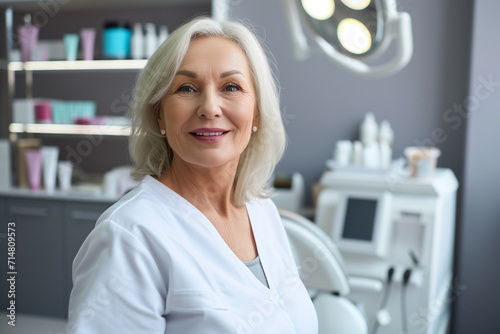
(357, 153)
(343, 151)
(151, 40)
(385, 133)
(137, 42)
(371, 156)
(163, 34)
(369, 130)
(385, 155)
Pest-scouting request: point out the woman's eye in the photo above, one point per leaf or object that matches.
(185, 89)
(231, 88)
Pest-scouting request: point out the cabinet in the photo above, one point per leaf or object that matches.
(49, 233)
(39, 255)
(3, 252)
(79, 222)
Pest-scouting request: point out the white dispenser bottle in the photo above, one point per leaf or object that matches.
(151, 40)
(137, 42)
(385, 133)
(369, 130)
(357, 153)
(163, 34)
(385, 155)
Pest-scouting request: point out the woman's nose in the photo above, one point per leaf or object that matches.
(209, 105)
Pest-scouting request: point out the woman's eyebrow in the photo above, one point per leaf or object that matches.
(190, 74)
(229, 73)
(193, 75)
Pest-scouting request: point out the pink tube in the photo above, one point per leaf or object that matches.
(87, 36)
(34, 164)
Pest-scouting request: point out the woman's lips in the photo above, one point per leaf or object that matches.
(209, 134)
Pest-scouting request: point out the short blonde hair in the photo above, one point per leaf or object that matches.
(152, 153)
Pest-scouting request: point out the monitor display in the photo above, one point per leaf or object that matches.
(360, 216)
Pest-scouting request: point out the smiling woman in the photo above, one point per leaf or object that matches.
(198, 244)
(210, 108)
(265, 147)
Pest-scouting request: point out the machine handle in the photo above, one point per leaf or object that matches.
(367, 284)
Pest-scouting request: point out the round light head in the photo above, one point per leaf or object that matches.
(356, 4)
(354, 36)
(319, 9)
(354, 28)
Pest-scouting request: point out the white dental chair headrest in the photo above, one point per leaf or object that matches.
(319, 261)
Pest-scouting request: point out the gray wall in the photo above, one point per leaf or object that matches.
(479, 246)
(323, 102)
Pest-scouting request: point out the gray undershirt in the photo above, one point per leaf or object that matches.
(255, 267)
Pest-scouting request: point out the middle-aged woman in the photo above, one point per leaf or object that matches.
(197, 246)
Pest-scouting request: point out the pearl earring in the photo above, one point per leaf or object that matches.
(254, 129)
(163, 131)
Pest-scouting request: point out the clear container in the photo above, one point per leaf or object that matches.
(422, 161)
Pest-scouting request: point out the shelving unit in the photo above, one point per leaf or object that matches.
(78, 65)
(70, 129)
(107, 82)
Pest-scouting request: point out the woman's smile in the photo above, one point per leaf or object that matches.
(209, 135)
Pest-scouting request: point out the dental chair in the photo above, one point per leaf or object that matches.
(321, 269)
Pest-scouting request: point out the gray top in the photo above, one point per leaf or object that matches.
(255, 267)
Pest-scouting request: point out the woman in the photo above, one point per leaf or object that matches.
(198, 246)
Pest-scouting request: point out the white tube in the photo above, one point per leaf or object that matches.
(50, 155)
(65, 171)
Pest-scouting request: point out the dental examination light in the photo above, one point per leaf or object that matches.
(352, 32)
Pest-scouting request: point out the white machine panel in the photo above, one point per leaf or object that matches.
(384, 224)
(362, 222)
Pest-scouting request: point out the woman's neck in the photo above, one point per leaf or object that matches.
(206, 188)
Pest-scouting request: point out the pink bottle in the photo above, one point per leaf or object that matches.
(28, 38)
(43, 112)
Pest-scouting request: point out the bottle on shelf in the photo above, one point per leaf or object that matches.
(151, 39)
(28, 38)
(163, 34)
(116, 40)
(385, 133)
(137, 42)
(369, 130)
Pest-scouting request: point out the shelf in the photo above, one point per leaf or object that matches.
(95, 4)
(78, 65)
(70, 129)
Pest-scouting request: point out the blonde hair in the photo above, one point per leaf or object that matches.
(152, 153)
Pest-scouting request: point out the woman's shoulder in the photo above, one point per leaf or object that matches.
(264, 206)
(263, 202)
(265, 212)
(145, 206)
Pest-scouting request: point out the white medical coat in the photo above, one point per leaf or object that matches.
(155, 264)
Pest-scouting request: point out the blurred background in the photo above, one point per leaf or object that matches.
(447, 96)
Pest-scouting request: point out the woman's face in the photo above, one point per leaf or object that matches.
(210, 108)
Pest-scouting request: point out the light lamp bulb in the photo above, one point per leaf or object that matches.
(354, 36)
(356, 4)
(319, 9)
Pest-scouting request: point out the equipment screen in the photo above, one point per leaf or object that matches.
(359, 219)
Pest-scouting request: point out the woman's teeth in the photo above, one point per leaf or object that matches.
(206, 134)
